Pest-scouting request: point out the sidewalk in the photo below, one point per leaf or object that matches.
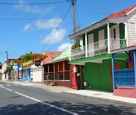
(56, 89)
(85, 93)
(102, 95)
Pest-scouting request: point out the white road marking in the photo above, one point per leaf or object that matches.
(8, 85)
(53, 106)
(2, 87)
(8, 89)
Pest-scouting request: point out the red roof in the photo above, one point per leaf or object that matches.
(122, 13)
(50, 57)
(48, 53)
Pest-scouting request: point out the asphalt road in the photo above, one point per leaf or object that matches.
(24, 100)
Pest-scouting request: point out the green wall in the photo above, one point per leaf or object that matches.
(95, 32)
(98, 75)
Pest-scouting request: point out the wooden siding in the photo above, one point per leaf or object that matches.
(132, 28)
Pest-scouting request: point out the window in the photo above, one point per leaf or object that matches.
(67, 75)
(51, 76)
(51, 67)
(46, 76)
(60, 75)
(60, 66)
(114, 33)
(67, 65)
(46, 68)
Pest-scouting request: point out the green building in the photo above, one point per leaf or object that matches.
(98, 41)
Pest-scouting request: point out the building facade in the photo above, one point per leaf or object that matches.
(99, 40)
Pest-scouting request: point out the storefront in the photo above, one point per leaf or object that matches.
(26, 71)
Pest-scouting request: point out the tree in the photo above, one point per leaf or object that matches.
(9, 68)
(30, 57)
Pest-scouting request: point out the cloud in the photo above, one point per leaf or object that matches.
(55, 36)
(33, 9)
(63, 47)
(2, 47)
(27, 27)
(50, 23)
(40, 24)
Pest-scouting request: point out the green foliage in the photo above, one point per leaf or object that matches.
(76, 45)
(30, 56)
(9, 68)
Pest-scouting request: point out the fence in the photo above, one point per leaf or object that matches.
(124, 77)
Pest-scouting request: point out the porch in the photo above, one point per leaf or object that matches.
(97, 48)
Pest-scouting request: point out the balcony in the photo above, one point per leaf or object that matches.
(78, 53)
(98, 48)
(117, 43)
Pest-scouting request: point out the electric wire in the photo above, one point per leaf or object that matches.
(77, 15)
(93, 11)
(42, 3)
(56, 28)
(26, 18)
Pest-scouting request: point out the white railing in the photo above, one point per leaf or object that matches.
(117, 43)
(78, 53)
(97, 48)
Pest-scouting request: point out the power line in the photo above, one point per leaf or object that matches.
(56, 29)
(40, 3)
(25, 18)
(93, 11)
(77, 15)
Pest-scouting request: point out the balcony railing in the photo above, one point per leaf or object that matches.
(117, 43)
(78, 53)
(98, 48)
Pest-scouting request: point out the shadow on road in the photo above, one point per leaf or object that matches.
(80, 108)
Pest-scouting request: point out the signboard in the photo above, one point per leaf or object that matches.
(27, 63)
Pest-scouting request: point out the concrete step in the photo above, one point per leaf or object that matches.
(129, 92)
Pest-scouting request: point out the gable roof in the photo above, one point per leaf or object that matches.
(122, 13)
(48, 53)
(50, 57)
(98, 24)
(63, 56)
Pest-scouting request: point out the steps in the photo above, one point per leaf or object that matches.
(129, 92)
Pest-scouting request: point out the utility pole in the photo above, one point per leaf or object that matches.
(74, 20)
(7, 60)
(7, 55)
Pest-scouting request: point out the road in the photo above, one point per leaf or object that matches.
(25, 100)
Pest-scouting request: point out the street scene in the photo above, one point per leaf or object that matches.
(69, 57)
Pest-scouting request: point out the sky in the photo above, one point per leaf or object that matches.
(45, 27)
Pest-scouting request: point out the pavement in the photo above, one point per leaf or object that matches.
(55, 89)
(23, 99)
(85, 93)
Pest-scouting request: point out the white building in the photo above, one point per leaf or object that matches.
(36, 74)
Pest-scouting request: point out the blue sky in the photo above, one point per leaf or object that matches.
(20, 36)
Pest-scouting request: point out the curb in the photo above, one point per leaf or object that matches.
(103, 99)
